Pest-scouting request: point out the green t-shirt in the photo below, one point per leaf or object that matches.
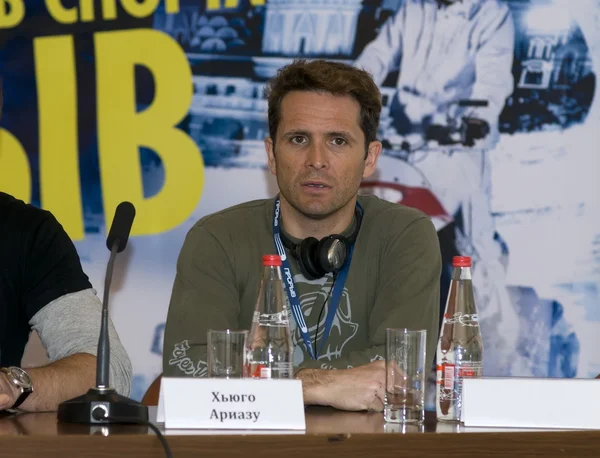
(393, 282)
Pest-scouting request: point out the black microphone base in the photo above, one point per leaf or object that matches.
(102, 406)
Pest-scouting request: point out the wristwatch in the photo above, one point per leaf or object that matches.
(19, 378)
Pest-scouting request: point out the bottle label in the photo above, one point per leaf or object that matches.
(257, 370)
(450, 377)
(265, 372)
(448, 370)
(464, 319)
(262, 370)
(467, 370)
(274, 319)
(285, 317)
(470, 369)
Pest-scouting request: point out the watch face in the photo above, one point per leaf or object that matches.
(21, 376)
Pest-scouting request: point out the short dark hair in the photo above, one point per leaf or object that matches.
(335, 78)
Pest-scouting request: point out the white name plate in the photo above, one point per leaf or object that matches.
(212, 403)
(531, 403)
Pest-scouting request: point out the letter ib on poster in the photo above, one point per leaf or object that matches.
(116, 53)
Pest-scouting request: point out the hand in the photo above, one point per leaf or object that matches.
(473, 129)
(359, 388)
(8, 393)
(441, 134)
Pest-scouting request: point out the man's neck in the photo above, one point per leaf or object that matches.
(301, 226)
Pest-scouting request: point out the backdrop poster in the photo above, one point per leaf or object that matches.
(162, 104)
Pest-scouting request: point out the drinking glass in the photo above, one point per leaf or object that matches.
(405, 375)
(226, 353)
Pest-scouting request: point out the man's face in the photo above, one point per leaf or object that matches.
(319, 154)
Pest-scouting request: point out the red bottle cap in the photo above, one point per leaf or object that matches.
(271, 260)
(461, 261)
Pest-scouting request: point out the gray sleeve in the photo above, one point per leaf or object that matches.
(71, 324)
(382, 55)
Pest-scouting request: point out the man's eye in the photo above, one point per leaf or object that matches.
(297, 140)
(339, 141)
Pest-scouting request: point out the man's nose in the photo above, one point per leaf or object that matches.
(316, 156)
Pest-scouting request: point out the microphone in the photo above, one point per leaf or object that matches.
(102, 404)
(121, 226)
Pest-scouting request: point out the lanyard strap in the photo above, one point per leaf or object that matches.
(292, 292)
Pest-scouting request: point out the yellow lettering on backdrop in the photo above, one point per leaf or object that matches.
(15, 175)
(109, 9)
(60, 13)
(138, 8)
(87, 10)
(60, 189)
(216, 4)
(146, 8)
(13, 17)
(172, 6)
(121, 130)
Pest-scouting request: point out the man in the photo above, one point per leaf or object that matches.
(43, 288)
(323, 120)
(445, 51)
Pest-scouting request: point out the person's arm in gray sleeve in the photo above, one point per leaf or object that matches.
(56, 299)
(70, 325)
(382, 55)
(494, 80)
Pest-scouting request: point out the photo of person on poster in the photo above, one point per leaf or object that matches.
(446, 51)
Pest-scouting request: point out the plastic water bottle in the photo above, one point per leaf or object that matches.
(460, 346)
(269, 346)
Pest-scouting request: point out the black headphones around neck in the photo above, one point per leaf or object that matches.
(316, 258)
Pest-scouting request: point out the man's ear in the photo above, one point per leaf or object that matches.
(373, 153)
(270, 148)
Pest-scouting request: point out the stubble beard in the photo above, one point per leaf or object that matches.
(323, 211)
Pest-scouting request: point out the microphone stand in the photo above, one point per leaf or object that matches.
(103, 404)
(102, 369)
